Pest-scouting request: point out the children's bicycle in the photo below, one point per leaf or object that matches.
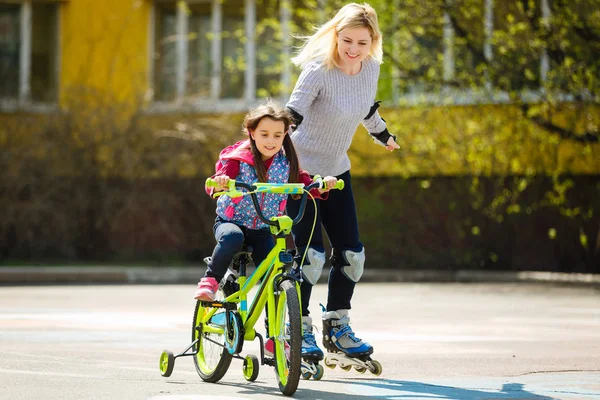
(220, 327)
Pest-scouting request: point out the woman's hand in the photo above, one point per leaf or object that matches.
(385, 139)
(391, 144)
(222, 181)
(328, 183)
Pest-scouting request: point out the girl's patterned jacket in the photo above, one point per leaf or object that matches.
(237, 162)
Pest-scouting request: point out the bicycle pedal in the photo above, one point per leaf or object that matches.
(269, 361)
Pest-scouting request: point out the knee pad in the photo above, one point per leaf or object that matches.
(313, 267)
(356, 264)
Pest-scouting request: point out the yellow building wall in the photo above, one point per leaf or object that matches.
(477, 140)
(104, 77)
(104, 50)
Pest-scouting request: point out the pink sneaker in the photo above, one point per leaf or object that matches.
(207, 287)
(270, 348)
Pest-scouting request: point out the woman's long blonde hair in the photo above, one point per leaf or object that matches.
(322, 45)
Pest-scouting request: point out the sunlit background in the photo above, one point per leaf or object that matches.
(112, 114)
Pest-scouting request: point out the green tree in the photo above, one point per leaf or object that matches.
(540, 59)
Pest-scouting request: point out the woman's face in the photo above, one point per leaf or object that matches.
(354, 45)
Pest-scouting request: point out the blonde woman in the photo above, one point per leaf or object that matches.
(335, 92)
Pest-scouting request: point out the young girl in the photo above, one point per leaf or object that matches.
(267, 155)
(334, 93)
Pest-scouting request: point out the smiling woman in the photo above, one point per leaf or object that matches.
(353, 47)
(335, 93)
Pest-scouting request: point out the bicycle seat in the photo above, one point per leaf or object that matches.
(245, 249)
(244, 255)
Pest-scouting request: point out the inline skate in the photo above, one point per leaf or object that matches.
(311, 353)
(343, 347)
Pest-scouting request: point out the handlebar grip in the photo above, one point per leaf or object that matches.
(210, 182)
(339, 184)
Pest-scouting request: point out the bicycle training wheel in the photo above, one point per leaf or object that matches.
(288, 338)
(212, 360)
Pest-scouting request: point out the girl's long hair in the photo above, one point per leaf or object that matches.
(274, 111)
(322, 45)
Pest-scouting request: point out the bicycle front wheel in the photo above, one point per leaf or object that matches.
(212, 359)
(288, 338)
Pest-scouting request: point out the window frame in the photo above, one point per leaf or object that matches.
(214, 103)
(486, 94)
(23, 101)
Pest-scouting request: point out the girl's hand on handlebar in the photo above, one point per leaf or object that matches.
(221, 181)
(328, 183)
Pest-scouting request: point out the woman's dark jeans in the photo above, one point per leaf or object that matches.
(337, 215)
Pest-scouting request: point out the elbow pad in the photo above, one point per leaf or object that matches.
(373, 109)
(296, 118)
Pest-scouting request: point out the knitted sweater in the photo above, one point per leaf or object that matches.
(332, 105)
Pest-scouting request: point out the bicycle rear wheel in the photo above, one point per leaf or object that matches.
(212, 360)
(288, 338)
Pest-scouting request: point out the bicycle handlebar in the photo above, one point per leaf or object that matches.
(278, 188)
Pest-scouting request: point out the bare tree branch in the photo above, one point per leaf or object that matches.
(585, 137)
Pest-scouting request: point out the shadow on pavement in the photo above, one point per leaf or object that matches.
(394, 389)
(403, 389)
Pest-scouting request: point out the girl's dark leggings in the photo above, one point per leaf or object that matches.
(230, 238)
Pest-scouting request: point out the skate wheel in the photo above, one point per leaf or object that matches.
(306, 375)
(360, 370)
(166, 363)
(376, 368)
(250, 367)
(328, 364)
(320, 372)
(346, 368)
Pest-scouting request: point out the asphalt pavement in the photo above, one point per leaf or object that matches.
(449, 341)
(36, 275)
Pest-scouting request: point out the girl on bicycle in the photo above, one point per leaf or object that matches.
(334, 93)
(267, 155)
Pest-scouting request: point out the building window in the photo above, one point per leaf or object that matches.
(165, 61)
(234, 57)
(517, 59)
(469, 51)
(219, 54)
(185, 47)
(44, 59)
(28, 53)
(10, 47)
(428, 39)
(467, 22)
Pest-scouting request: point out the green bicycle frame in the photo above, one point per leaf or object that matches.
(270, 267)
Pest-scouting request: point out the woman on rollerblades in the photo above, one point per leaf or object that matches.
(334, 93)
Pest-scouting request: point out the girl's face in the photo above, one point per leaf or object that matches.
(354, 45)
(268, 136)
